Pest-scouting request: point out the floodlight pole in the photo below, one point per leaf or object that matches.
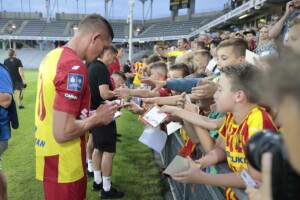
(106, 8)
(131, 5)
(48, 10)
(143, 2)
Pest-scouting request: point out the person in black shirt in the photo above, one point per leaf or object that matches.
(104, 137)
(15, 66)
(127, 71)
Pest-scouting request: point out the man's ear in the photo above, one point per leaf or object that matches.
(95, 36)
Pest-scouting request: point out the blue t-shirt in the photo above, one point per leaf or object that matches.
(5, 87)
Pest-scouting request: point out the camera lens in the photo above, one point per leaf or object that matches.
(261, 142)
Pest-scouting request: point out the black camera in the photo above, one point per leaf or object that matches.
(285, 181)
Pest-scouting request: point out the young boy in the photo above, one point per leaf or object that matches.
(158, 71)
(118, 79)
(239, 91)
(201, 60)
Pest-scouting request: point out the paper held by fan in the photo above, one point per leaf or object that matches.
(178, 164)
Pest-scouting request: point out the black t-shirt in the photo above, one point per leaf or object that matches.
(126, 69)
(98, 75)
(13, 65)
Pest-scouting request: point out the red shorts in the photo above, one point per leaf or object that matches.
(65, 191)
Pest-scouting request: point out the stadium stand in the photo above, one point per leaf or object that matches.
(31, 58)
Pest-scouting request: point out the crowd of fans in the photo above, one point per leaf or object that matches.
(222, 100)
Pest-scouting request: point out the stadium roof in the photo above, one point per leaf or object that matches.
(117, 9)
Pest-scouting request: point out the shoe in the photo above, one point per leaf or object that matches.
(111, 194)
(97, 187)
(89, 174)
(118, 140)
(21, 107)
(119, 135)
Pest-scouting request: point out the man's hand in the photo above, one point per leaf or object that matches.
(105, 113)
(134, 108)
(265, 191)
(205, 91)
(122, 92)
(169, 109)
(181, 100)
(289, 8)
(192, 175)
(148, 103)
(154, 83)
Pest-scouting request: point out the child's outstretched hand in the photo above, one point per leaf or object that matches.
(193, 175)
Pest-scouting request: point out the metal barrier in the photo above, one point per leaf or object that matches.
(182, 191)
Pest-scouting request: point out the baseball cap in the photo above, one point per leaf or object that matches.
(262, 21)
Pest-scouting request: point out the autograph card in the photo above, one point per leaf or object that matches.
(153, 118)
(246, 178)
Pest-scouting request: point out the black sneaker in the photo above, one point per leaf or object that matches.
(21, 107)
(97, 187)
(89, 174)
(119, 135)
(111, 194)
(118, 140)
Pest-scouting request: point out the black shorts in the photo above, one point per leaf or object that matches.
(18, 85)
(105, 137)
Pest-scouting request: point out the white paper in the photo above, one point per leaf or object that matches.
(117, 114)
(172, 127)
(187, 98)
(247, 179)
(250, 55)
(153, 138)
(153, 117)
(178, 164)
(119, 101)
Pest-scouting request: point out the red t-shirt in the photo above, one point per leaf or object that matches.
(164, 92)
(114, 66)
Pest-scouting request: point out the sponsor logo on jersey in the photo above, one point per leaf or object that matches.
(71, 96)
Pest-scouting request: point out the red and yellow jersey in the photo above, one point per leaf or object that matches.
(176, 53)
(63, 86)
(236, 137)
(138, 66)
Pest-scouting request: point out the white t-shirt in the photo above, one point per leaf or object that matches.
(212, 63)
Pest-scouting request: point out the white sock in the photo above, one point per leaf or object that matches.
(97, 177)
(106, 183)
(90, 165)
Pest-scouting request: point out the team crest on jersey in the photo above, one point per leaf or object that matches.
(75, 82)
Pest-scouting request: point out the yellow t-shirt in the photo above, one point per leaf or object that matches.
(63, 86)
(236, 137)
(175, 53)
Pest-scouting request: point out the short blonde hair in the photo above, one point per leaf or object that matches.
(188, 59)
